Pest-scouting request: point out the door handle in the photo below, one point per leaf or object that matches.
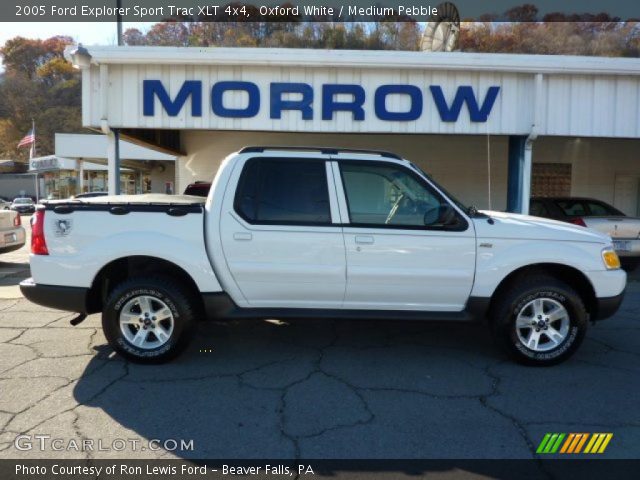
(242, 236)
(364, 239)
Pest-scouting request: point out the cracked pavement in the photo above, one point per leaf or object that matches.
(310, 389)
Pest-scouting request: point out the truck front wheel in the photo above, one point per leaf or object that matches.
(148, 320)
(540, 321)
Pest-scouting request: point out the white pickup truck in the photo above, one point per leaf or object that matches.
(319, 233)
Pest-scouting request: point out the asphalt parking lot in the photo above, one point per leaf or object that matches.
(309, 389)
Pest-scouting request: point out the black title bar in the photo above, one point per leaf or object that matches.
(314, 10)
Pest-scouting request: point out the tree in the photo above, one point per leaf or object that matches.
(38, 85)
(133, 36)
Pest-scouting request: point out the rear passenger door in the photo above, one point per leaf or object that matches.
(281, 235)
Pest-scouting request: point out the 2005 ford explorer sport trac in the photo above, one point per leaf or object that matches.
(319, 233)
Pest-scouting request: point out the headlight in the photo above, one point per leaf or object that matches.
(610, 258)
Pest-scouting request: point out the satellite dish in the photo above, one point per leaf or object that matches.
(442, 31)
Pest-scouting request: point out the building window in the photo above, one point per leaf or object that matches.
(551, 180)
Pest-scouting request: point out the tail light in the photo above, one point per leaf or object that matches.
(578, 221)
(38, 243)
(17, 221)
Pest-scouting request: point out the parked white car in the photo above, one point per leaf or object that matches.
(598, 215)
(12, 234)
(319, 233)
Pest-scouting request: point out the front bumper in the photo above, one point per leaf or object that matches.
(70, 299)
(607, 283)
(631, 247)
(607, 307)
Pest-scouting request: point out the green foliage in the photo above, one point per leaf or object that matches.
(383, 35)
(39, 85)
(519, 30)
(606, 38)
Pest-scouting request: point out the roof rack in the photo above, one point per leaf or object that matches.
(324, 150)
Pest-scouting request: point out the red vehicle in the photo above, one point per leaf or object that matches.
(199, 189)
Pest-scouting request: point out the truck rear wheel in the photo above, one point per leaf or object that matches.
(149, 320)
(540, 321)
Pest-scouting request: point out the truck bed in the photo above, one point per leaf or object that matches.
(145, 199)
(84, 234)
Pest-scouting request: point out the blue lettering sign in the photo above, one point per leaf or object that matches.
(252, 108)
(279, 100)
(464, 95)
(330, 104)
(414, 112)
(153, 88)
(304, 104)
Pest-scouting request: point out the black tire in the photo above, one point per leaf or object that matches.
(518, 300)
(160, 290)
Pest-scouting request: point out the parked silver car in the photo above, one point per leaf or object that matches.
(596, 214)
(12, 233)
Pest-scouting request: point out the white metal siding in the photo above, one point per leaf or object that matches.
(578, 104)
(125, 99)
(591, 106)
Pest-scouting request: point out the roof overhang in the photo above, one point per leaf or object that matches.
(74, 145)
(378, 59)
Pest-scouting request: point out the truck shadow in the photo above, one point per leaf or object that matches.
(12, 273)
(279, 390)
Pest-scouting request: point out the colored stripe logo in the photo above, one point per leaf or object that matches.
(574, 443)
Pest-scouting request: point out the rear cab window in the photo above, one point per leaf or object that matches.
(283, 191)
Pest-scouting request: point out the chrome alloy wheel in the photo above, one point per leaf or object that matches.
(542, 324)
(146, 322)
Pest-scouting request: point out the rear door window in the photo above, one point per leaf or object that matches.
(276, 191)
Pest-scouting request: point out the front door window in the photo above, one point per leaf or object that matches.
(389, 196)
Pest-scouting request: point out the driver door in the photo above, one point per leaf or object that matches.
(400, 256)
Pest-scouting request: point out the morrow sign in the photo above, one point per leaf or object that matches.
(334, 97)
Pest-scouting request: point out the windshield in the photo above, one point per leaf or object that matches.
(23, 200)
(458, 203)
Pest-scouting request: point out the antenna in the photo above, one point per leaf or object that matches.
(442, 30)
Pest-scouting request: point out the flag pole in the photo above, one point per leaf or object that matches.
(32, 153)
(32, 150)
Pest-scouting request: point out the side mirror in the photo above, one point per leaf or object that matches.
(443, 216)
(447, 216)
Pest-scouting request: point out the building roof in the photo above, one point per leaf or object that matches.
(378, 59)
(87, 146)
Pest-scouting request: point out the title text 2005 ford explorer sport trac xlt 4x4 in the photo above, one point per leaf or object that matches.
(319, 233)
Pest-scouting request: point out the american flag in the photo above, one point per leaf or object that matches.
(28, 139)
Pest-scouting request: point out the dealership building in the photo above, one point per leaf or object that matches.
(492, 128)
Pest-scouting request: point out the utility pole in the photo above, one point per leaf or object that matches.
(116, 131)
(119, 21)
